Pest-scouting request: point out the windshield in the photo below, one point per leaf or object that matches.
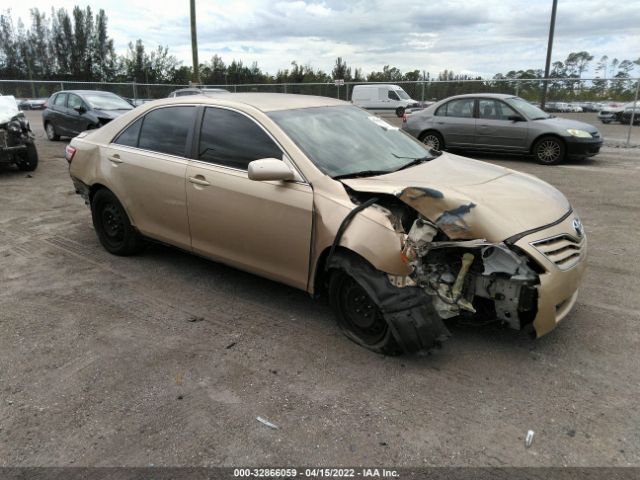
(402, 94)
(530, 111)
(346, 140)
(107, 102)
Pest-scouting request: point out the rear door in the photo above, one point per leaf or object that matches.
(75, 121)
(455, 121)
(57, 113)
(494, 129)
(146, 166)
(262, 227)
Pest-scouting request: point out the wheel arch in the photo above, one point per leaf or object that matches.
(544, 135)
(320, 276)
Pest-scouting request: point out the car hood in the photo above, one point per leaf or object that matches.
(469, 199)
(110, 114)
(564, 123)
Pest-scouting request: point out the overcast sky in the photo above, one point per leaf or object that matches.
(468, 36)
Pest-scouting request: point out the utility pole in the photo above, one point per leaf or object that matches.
(552, 27)
(194, 43)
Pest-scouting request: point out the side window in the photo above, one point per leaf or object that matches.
(60, 100)
(393, 95)
(165, 130)
(74, 101)
(495, 110)
(505, 111)
(129, 136)
(462, 107)
(442, 111)
(231, 139)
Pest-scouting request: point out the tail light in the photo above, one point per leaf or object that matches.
(404, 118)
(69, 152)
(44, 105)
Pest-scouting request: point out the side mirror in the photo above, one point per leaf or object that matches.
(515, 118)
(269, 169)
(80, 109)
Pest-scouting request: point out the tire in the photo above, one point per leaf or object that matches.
(549, 151)
(605, 121)
(50, 130)
(29, 160)
(433, 140)
(399, 112)
(358, 316)
(112, 225)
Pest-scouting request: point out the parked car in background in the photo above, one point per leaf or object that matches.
(32, 103)
(17, 145)
(503, 123)
(629, 112)
(383, 98)
(613, 112)
(197, 91)
(320, 195)
(70, 112)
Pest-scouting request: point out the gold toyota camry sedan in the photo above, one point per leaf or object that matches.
(323, 196)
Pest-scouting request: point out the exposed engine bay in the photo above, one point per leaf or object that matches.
(475, 279)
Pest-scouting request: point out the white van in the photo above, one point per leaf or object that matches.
(382, 98)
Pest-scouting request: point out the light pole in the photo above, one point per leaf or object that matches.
(194, 43)
(552, 27)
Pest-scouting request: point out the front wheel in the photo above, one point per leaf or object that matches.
(115, 232)
(433, 140)
(549, 151)
(28, 162)
(359, 318)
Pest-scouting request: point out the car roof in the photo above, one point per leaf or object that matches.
(266, 102)
(84, 92)
(484, 95)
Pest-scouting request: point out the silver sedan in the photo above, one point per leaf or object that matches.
(502, 123)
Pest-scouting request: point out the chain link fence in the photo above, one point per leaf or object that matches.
(558, 90)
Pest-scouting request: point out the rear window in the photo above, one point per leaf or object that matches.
(60, 100)
(462, 108)
(164, 130)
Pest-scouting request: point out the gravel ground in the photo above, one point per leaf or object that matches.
(167, 358)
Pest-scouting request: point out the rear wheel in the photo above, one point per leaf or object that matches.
(549, 151)
(399, 111)
(433, 140)
(50, 130)
(28, 161)
(358, 316)
(115, 232)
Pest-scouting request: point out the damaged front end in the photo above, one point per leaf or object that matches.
(457, 275)
(470, 277)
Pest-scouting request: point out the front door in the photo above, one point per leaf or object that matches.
(496, 128)
(262, 227)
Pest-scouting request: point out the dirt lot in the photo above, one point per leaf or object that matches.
(167, 359)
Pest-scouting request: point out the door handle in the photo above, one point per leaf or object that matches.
(199, 180)
(115, 158)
